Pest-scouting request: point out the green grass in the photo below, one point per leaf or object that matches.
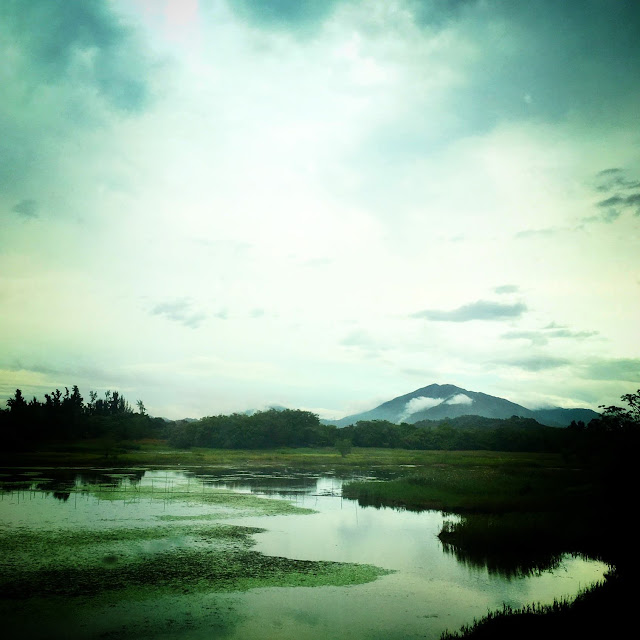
(156, 453)
(480, 483)
(605, 610)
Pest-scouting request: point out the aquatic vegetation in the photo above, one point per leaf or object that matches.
(185, 570)
(184, 549)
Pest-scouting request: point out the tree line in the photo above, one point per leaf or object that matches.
(65, 416)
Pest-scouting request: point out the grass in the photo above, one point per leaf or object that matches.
(156, 453)
(605, 610)
(479, 482)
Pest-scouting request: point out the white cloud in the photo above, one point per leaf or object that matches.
(459, 398)
(419, 404)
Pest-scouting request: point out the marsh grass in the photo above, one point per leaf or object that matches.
(604, 610)
(487, 484)
(157, 454)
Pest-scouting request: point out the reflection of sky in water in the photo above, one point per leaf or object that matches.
(428, 592)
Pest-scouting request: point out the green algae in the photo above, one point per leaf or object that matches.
(173, 552)
(186, 570)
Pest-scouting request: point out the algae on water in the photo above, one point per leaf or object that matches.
(185, 548)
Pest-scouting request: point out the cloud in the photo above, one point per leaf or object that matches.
(480, 310)
(179, 311)
(437, 13)
(460, 398)
(82, 41)
(550, 332)
(537, 363)
(620, 369)
(614, 178)
(624, 194)
(26, 208)
(506, 288)
(545, 233)
(71, 68)
(419, 404)
(296, 15)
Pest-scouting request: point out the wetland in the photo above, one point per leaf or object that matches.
(247, 551)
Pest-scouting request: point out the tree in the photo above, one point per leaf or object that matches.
(343, 445)
(619, 418)
(18, 404)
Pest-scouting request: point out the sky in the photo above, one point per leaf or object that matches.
(220, 205)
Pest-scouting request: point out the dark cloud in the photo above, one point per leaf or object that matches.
(69, 66)
(537, 363)
(614, 179)
(292, 14)
(480, 310)
(624, 195)
(78, 41)
(576, 55)
(179, 311)
(543, 60)
(437, 13)
(26, 208)
(619, 369)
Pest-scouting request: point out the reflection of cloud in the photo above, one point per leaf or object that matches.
(480, 310)
(179, 311)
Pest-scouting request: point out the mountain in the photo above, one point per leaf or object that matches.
(448, 401)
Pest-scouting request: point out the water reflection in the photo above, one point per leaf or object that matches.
(434, 586)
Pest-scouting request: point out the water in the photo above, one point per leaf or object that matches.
(426, 591)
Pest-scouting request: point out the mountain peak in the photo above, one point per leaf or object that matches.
(439, 401)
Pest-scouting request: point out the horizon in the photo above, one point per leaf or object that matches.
(214, 207)
(268, 407)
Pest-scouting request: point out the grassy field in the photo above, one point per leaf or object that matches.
(151, 453)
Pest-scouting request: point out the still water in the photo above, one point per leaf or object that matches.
(425, 591)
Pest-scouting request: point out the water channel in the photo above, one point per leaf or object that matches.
(124, 517)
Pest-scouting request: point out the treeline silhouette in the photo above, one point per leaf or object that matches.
(66, 417)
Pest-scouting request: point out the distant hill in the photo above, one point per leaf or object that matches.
(436, 402)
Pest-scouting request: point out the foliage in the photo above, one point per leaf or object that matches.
(261, 430)
(66, 417)
(343, 445)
